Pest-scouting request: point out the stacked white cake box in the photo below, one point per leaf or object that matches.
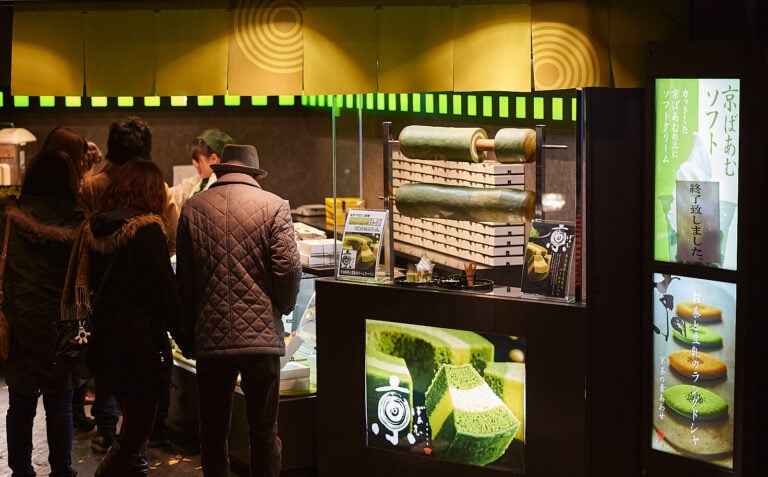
(453, 242)
(319, 252)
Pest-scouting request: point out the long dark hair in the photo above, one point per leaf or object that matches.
(73, 144)
(138, 185)
(51, 173)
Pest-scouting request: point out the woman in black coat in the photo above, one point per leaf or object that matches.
(122, 251)
(43, 226)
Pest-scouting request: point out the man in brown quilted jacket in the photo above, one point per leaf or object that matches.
(238, 270)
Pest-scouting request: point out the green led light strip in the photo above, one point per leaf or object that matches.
(500, 106)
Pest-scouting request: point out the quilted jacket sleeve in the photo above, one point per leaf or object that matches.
(286, 262)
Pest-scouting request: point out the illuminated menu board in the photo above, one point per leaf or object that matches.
(694, 343)
(696, 171)
(446, 394)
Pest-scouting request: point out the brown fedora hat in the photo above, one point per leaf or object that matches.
(239, 158)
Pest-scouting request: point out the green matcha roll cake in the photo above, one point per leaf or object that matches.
(425, 348)
(507, 380)
(469, 423)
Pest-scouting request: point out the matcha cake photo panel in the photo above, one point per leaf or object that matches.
(447, 394)
(694, 349)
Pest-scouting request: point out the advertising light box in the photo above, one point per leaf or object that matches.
(446, 394)
(696, 171)
(694, 348)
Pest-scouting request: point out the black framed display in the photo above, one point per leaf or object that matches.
(706, 160)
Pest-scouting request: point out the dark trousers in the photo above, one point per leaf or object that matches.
(260, 383)
(58, 425)
(138, 421)
(78, 403)
(104, 410)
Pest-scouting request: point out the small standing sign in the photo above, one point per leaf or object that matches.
(548, 261)
(360, 245)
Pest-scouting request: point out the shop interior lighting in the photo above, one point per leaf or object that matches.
(520, 107)
(552, 202)
(538, 107)
(429, 103)
(416, 102)
(546, 107)
(557, 109)
(443, 103)
(404, 102)
(573, 109)
(457, 104)
(232, 100)
(19, 136)
(487, 106)
(504, 107)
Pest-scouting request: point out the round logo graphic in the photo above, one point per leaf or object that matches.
(394, 411)
(563, 57)
(269, 33)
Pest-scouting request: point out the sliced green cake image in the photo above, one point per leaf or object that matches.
(469, 422)
(425, 348)
(507, 380)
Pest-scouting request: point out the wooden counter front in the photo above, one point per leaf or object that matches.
(556, 354)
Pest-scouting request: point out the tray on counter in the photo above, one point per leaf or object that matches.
(450, 282)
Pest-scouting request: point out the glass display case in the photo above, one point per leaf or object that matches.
(415, 361)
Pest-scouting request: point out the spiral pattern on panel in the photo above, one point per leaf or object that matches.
(563, 57)
(269, 34)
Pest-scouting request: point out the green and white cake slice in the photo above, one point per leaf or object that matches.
(508, 382)
(425, 348)
(469, 422)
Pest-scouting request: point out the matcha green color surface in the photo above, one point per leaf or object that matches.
(442, 143)
(424, 349)
(701, 336)
(684, 399)
(470, 423)
(475, 204)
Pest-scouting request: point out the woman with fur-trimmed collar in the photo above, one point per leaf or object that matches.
(43, 226)
(125, 247)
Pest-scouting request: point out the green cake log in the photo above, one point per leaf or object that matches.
(475, 204)
(515, 145)
(442, 143)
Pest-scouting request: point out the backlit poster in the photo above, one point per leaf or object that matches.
(694, 344)
(696, 171)
(446, 394)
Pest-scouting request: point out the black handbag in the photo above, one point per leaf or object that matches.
(73, 336)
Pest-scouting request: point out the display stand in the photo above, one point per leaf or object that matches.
(452, 262)
(573, 351)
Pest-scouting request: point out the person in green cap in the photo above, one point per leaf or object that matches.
(205, 150)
